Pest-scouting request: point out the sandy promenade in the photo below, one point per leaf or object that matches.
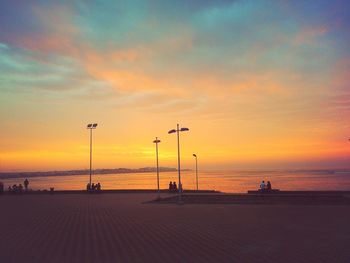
(121, 228)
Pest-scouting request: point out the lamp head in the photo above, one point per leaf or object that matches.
(195, 155)
(89, 126)
(171, 131)
(156, 141)
(184, 129)
(94, 125)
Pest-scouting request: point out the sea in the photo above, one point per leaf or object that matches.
(231, 181)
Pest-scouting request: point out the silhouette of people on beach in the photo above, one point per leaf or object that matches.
(265, 187)
(172, 187)
(26, 183)
(16, 189)
(93, 187)
(1, 187)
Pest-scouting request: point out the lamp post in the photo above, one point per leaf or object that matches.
(178, 130)
(195, 156)
(156, 141)
(91, 126)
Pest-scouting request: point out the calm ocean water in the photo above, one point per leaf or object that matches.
(226, 181)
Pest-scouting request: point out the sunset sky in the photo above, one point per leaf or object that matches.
(260, 84)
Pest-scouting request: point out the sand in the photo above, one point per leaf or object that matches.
(121, 228)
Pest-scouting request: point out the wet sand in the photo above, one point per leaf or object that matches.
(120, 227)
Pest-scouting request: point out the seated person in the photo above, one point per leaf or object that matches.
(268, 186)
(174, 187)
(262, 186)
(171, 186)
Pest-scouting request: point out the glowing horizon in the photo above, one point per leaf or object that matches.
(259, 84)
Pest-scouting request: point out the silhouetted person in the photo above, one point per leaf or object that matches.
(88, 187)
(26, 183)
(170, 186)
(262, 186)
(20, 188)
(98, 187)
(93, 187)
(268, 186)
(1, 187)
(174, 187)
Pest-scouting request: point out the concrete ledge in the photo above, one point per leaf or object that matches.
(309, 198)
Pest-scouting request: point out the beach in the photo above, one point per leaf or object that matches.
(125, 227)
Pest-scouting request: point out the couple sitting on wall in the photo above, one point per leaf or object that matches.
(173, 187)
(265, 187)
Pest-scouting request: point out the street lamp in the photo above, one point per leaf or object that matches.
(91, 127)
(195, 156)
(178, 130)
(156, 141)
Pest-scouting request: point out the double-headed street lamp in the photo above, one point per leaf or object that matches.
(156, 141)
(195, 156)
(178, 130)
(91, 127)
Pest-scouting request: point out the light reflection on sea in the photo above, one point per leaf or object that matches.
(225, 181)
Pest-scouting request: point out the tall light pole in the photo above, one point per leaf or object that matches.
(156, 141)
(178, 130)
(195, 156)
(91, 126)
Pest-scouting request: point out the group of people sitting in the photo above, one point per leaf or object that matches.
(16, 188)
(173, 187)
(93, 187)
(19, 188)
(265, 187)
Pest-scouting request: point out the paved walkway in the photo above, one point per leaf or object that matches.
(119, 228)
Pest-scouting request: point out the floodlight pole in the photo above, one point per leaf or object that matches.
(195, 156)
(178, 130)
(91, 126)
(156, 141)
(90, 155)
(178, 161)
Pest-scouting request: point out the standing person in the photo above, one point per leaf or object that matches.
(26, 183)
(262, 186)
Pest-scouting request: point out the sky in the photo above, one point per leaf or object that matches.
(259, 83)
